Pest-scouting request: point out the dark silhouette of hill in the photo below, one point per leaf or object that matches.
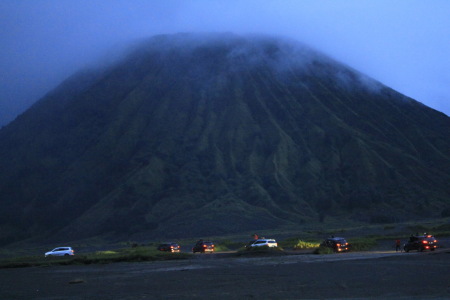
(202, 134)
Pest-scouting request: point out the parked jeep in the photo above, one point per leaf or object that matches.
(338, 244)
(421, 243)
(203, 247)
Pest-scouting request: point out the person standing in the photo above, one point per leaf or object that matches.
(397, 245)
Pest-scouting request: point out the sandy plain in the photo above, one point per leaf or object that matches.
(358, 275)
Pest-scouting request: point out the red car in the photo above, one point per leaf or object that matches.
(421, 243)
(203, 247)
(169, 247)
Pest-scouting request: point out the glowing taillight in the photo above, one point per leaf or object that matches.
(171, 247)
(338, 245)
(425, 242)
(204, 246)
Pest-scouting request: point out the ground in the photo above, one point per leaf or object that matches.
(335, 276)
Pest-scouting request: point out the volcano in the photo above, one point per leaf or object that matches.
(207, 134)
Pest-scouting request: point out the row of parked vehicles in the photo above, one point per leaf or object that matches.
(208, 246)
(337, 244)
(201, 246)
(416, 242)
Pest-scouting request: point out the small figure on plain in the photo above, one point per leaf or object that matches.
(397, 245)
(255, 236)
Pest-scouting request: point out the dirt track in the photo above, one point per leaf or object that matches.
(336, 276)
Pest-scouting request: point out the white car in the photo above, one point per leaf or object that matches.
(60, 251)
(262, 242)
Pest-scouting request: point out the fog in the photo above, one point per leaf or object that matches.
(404, 44)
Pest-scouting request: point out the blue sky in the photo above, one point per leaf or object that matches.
(405, 44)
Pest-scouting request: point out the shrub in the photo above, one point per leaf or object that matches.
(305, 245)
(297, 244)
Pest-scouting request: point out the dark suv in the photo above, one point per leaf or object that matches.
(421, 243)
(338, 244)
(169, 247)
(203, 247)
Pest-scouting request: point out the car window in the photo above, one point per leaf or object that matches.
(272, 242)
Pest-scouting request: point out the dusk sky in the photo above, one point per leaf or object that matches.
(404, 44)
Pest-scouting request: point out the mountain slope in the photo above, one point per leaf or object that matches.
(206, 134)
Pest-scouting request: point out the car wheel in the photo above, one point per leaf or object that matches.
(432, 249)
(66, 254)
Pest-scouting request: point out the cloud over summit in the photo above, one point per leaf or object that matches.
(403, 44)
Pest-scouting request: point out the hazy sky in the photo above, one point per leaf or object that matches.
(405, 44)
